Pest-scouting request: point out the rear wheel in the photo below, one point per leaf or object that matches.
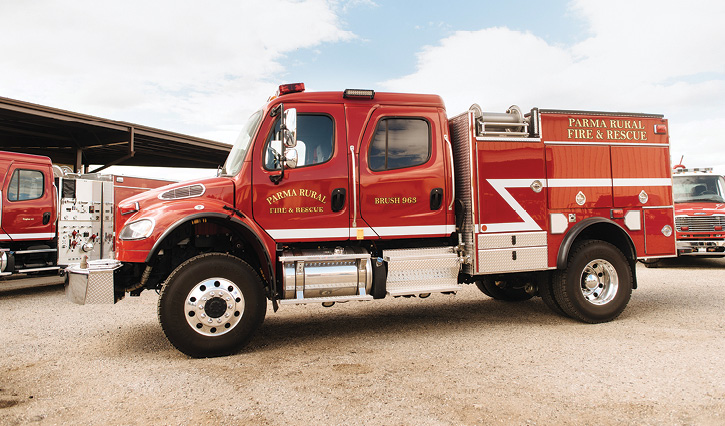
(511, 290)
(596, 284)
(546, 291)
(211, 305)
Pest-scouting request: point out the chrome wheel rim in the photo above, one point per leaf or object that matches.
(599, 282)
(214, 307)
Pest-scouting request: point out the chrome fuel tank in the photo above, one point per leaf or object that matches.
(326, 272)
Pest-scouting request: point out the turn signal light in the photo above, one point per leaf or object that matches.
(718, 227)
(685, 228)
(617, 214)
(128, 208)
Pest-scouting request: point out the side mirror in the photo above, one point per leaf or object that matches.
(290, 158)
(289, 128)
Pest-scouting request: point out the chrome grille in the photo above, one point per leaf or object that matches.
(183, 192)
(699, 223)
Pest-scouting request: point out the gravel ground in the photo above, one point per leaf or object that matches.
(445, 360)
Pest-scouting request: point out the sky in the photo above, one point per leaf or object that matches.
(201, 68)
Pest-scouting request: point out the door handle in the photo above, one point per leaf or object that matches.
(46, 218)
(337, 199)
(436, 198)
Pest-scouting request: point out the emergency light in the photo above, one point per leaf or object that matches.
(358, 93)
(291, 88)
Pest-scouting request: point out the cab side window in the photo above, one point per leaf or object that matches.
(315, 141)
(26, 185)
(399, 143)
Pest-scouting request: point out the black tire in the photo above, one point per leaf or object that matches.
(507, 290)
(596, 285)
(483, 288)
(211, 305)
(546, 291)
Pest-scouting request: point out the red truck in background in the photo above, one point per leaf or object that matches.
(50, 218)
(354, 196)
(699, 212)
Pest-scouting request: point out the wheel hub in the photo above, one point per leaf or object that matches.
(599, 282)
(214, 307)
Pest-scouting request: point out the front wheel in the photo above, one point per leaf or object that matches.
(596, 284)
(211, 305)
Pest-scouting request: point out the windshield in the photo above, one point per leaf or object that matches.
(236, 156)
(703, 189)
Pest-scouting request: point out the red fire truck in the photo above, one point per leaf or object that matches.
(699, 212)
(355, 196)
(50, 218)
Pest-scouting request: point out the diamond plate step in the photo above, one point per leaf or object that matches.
(422, 270)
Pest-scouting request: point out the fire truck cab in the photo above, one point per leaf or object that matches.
(699, 212)
(354, 196)
(28, 213)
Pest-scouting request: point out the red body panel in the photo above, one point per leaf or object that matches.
(23, 220)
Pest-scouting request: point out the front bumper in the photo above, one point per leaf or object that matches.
(92, 284)
(701, 247)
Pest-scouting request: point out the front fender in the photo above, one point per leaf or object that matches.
(170, 216)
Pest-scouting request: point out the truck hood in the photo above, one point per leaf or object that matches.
(217, 188)
(704, 209)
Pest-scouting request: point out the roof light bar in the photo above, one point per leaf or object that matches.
(695, 170)
(358, 93)
(291, 88)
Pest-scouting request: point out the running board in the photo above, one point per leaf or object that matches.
(329, 299)
(50, 268)
(48, 250)
(415, 291)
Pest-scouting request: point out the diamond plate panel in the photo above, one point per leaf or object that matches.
(512, 260)
(93, 285)
(511, 239)
(421, 269)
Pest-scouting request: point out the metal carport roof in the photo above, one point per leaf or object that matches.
(81, 140)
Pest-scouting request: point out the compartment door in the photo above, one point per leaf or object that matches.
(656, 220)
(27, 203)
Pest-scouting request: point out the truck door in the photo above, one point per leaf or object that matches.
(310, 203)
(402, 174)
(28, 203)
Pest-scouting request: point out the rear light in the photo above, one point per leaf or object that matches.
(358, 93)
(291, 88)
(660, 129)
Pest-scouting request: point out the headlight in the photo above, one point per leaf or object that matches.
(137, 230)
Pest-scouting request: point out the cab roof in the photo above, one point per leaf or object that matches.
(379, 98)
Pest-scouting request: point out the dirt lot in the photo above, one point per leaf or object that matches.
(445, 360)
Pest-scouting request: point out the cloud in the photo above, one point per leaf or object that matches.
(646, 56)
(206, 64)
